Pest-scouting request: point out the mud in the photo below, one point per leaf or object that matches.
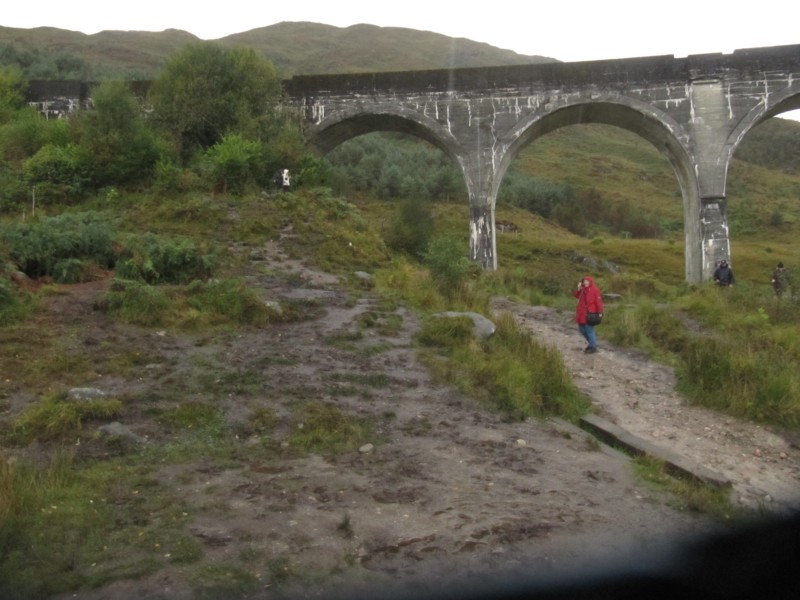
(451, 495)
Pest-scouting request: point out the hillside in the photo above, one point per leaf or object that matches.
(255, 395)
(301, 458)
(294, 47)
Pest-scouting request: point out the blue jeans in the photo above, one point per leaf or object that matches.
(587, 331)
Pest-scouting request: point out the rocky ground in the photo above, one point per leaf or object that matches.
(452, 495)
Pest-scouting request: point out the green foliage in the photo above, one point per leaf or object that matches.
(65, 528)
(448, 264)
(231, 300)
(772, 145)
(690, 495)
(26, 132)
(446, 333)
(138, 303)
(41, 247)
(74, 270)
(14, 305)
(411, 284)
(40, 63)
(412, 227)
(575, 209)
(283, 146)
(199, 417)
(57, 416)
(114, 134)
(198, 305)
(262, 420)
(12, 84)
(205, 92)
(324, 428)
(734, 350)
(156, 260)
(60, 173)
(330, 230)
(744, 378)
(232, 164)
(646, 326)
(535, 194)
(167, 176)
(394, 166)
(509, 371)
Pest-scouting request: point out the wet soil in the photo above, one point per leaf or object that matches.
(451, 494)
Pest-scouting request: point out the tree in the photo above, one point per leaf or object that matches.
(114, 136)
(206, 92)
(11, 97)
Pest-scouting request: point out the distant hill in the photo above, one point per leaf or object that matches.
(293, 47)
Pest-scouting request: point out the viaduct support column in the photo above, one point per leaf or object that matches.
(709, 126)
(479, 175)
(482, 240)
(714, 229)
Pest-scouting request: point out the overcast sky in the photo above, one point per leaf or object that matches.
(568, 31)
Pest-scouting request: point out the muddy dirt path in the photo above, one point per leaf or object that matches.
(450, 493)
(639, 396)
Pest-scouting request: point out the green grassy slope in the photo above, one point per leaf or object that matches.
(294, 48)
(764, 202)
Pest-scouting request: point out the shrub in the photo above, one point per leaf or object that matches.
(509, 371)
(232, 163)
(37, 247)
(412, 228)
(446, 333)
(737, 376)
(448, 264)
(137, 303)
(232, 300)
(13, 305)
(167, 176)
(59, 171)
(152, 259)
(73, 270)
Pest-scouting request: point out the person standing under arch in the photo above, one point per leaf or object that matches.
(723, 276)
(780, 280)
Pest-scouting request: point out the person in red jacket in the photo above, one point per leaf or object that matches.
(589, 300)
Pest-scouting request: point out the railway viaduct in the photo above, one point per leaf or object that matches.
(694, 110)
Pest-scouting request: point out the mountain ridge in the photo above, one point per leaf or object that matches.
(294, 47)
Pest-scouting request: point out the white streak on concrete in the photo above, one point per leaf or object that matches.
(319, 112)
(449, 124)
(730, 104)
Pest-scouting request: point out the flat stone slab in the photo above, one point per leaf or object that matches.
(676, 465)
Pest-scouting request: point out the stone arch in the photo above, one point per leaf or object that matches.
(783, 101)
(645, 121)
(345, 125)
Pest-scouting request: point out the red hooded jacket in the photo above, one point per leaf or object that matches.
(589, 300)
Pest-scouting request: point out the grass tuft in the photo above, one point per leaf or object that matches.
(324, 428)
(56, 416)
